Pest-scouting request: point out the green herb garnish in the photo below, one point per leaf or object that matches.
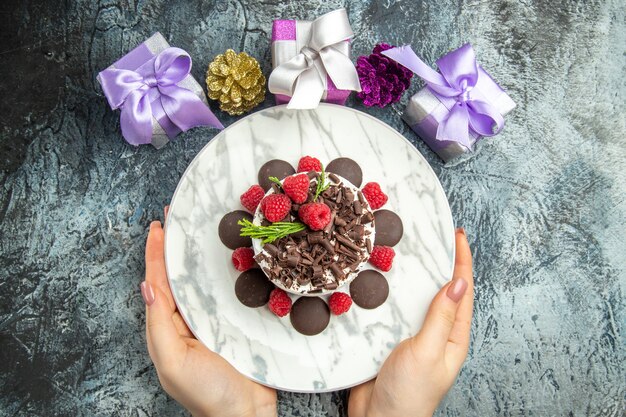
(276, 181)
(269, 233)
(322, 185)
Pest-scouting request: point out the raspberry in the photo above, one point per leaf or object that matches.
(243, 259)
(308, 163)
(280, 303)
(275, 207)
(315, 215)
(297, 188)
(339, 303)
(382, 257)
(251, 198)
(374, 195)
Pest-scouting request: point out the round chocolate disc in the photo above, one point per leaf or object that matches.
(229, 230)
(369, 289)
(309, 315)
(253, 288)
(274, 168)
(389, 228)
(348, 169)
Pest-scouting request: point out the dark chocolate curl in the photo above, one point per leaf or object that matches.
(271, 249)
(347, 242)
(337, 272)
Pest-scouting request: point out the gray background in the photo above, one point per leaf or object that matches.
(543, 203)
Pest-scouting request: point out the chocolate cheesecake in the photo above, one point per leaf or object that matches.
(318, 262)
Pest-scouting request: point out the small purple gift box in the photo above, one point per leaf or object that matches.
(458, 106)
(156, 94)
(311, 61)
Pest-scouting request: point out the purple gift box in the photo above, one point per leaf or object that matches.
(305, 52)
(477, 106)
(157, 95)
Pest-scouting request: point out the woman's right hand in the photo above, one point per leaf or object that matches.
(420, 370)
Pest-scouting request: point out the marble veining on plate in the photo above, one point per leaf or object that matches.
(260, 345)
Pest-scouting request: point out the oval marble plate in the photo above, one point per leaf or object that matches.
(260, 345)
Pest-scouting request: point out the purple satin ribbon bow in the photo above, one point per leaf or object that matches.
(151, 91)
(459, 75)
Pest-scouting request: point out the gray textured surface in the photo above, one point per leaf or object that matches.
(543, 203)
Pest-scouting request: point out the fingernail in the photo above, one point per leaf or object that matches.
(147, 293)
(457, 289)
(460, 230)
(155, 224)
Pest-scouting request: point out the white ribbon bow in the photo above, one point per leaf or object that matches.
(304, 77)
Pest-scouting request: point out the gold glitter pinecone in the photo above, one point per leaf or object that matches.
(236, 81)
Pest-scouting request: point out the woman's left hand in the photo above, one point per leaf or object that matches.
(201, 380)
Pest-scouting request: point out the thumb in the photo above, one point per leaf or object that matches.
(164, 341)
(442, 314)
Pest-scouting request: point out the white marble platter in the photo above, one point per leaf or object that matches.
(260, 345)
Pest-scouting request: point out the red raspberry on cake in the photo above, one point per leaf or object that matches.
(315, 215)
(297, 188)
(251, 198)
(280, 303)
(243, 259)
(339, 303)
(374, 195)
(275, 207)
(308, 163)
(382, 257)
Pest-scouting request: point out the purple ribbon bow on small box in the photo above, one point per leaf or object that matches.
(157, 96)
(459, 105)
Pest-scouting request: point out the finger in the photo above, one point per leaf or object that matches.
(460, 335)
(442, 313)
(359, 398)
(155, 262)
(164, 341)
(166, 211)
(181, 326)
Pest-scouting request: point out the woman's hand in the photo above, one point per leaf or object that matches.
(420, 370)
(201, 380)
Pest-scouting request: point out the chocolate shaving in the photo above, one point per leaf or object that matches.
(337, 272)
(339, 197)
(357, 233)
(330, 286)
(271, 249)
(315, 237)
(355, 265)
(368, 245)
(330, 224)
(330, 203)
(293, 260)
(348, 243)
(333, 177)
(339, 221)
(317, 271)
(328, 246)
(367, 218)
